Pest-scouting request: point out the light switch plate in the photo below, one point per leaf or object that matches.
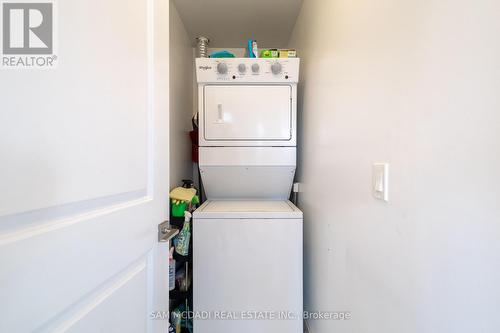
(380, 184)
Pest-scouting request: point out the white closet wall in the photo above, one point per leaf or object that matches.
(181, 99)
(415, 84)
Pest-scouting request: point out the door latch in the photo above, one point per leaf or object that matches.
(166, 232)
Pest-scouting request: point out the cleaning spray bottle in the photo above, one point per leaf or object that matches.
(255, 49)
(182, 246)
(252, 49)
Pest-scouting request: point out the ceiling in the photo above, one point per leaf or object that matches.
(230, 23)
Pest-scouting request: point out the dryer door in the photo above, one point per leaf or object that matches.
(247, 113)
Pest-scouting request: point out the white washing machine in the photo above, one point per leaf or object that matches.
(247, 237)
(248, 265)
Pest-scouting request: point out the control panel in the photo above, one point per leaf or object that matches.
(244, 70)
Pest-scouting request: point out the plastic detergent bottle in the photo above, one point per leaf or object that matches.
(182, 246)
(171, 270)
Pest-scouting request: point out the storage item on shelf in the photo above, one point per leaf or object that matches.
(176, 318)
(221, 54)
(288, 53)
(255, 49)
(183, 198)
(202, 47)
(183, 278)
(193, 204)
(183, 321)
(269, 53)
(252, 49)
(182, 194)
(187, 183)
(171, 270)
(178, 208)
(194, 140)
(182, 245)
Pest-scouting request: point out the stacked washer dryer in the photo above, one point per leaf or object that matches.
(247, 237)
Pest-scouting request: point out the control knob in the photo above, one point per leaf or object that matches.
(222, 68)
(276, 68)
(255, 68)
(242, 68)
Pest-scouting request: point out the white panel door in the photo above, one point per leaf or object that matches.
(247, 113)
(84, 175)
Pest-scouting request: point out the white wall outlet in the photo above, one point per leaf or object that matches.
(381, 181)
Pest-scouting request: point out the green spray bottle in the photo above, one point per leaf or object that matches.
(182, 245)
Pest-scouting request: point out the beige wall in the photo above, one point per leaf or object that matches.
(415, 84)
(181, 95)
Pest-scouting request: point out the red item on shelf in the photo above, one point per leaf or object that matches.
(194, 145)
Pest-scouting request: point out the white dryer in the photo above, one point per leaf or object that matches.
(247, 127)
(247, 238)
